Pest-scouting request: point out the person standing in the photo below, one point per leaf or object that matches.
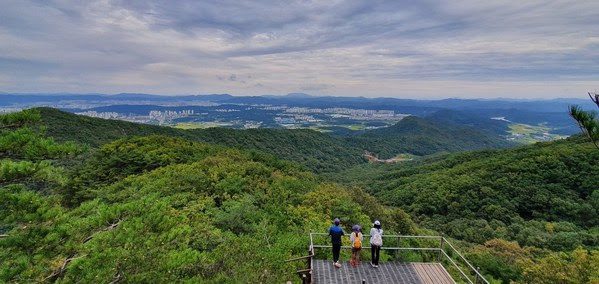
(336, 232)
(355, 239)
(376, 242)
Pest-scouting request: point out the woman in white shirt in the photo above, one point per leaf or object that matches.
(376, 242)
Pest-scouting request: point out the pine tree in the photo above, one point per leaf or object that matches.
(587, 120)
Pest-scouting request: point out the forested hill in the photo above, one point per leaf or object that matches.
(472, 119)
(512, 194)
(420, 136)
(538, 197)
(159, 209)
(317, 151)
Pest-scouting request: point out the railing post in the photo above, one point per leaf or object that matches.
(440, 248)
(476, 272)
(398, 252)
(309, 259)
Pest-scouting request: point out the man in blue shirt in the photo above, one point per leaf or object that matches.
(336, 233)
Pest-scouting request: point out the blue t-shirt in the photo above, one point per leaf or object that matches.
(336, 233)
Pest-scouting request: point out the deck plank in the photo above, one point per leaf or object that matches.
(444, 274)
(388, 272)
(433, 271)
(420, 270)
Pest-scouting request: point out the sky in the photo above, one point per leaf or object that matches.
(405, 49)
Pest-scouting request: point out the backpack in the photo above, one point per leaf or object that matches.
(377, 239)
(357, 241)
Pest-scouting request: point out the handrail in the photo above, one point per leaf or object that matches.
(391, 236)
(385, 248)
(299, 258)
(456, 266)
(439, 249)
(466, 261)
(308, 270)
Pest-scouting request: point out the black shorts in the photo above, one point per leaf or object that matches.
(356, 249)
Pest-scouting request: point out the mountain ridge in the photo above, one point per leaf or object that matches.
(332, 153)
(420, 136)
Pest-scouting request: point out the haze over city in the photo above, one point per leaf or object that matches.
(429, 49)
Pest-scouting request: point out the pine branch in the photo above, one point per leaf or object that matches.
(594, 98)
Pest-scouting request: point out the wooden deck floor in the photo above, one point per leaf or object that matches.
(389, 272)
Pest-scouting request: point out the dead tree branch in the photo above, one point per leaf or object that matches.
(110, 227)
(595, 98)
(60, 271)
(57, 273)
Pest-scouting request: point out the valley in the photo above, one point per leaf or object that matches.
(521, 121)
(138, 194)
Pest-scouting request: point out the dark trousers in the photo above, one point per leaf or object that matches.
(336, 250)
(375, 253)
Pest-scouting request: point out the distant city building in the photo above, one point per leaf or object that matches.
(169, 115)
(104, 115)
(362, 114)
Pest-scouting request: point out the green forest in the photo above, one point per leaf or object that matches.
(541, 198)
(317, 152)
(419, 136)
(100, 201)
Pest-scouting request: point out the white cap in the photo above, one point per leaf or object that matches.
(377, 223)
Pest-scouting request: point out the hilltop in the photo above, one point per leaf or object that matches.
(472, 119)
(419, 136)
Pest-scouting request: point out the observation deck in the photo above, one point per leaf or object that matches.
(404, 259)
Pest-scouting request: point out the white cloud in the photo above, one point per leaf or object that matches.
(390, 48)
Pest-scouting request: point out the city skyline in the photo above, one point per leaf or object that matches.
(400, 49)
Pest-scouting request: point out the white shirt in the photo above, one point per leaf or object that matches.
(375, 231)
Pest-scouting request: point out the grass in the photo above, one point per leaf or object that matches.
(405, 157)
(527, 134)
(355, 127)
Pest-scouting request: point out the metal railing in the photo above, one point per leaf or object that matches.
(306, 274)
(473, 277)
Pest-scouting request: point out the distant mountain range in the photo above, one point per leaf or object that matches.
(476, 113)
(306, 100)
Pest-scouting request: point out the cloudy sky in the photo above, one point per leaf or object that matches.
(410, 49)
